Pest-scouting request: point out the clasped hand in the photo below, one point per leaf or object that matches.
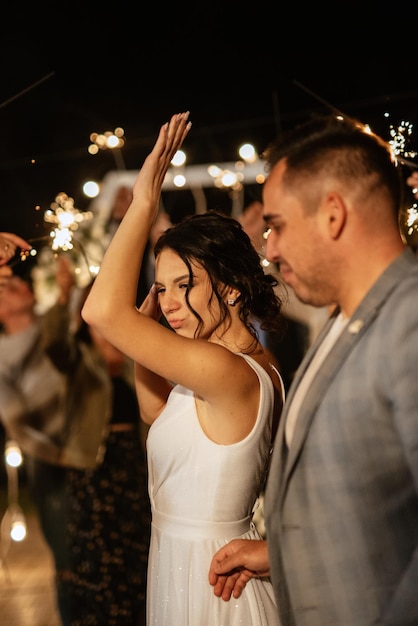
(235, 564)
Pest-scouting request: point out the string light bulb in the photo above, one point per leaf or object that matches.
(106, 141)
(18, 529)
(13, 454)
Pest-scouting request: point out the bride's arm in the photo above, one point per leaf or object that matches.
(152, 390)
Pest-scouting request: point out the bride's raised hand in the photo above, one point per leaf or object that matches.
(151, 176)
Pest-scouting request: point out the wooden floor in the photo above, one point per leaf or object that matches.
(27, 593)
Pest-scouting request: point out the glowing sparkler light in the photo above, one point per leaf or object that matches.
(400, 137)
(408, 222)
(412, 219)
(67, 217)
(61, 239)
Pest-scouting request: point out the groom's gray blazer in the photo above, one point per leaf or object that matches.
(341, 505)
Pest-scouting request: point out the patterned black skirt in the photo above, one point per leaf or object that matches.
(109, 533)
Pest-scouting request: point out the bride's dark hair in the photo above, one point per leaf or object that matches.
(221, 246)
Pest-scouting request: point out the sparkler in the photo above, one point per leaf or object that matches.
(67, 217)
(400, 138)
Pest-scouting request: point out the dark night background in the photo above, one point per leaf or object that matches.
(245, 71)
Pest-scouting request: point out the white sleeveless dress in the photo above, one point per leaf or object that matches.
(203, 495)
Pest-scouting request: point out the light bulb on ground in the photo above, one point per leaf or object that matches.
(18, 530)
(13, 454)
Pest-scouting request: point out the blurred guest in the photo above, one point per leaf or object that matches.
(147, 273)
(67, 399)
(289, 348)
(33, 412)
(252, 221)
(121, 201)
(412, 181)
(9, 243)
(109, 521)
(5, 273)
